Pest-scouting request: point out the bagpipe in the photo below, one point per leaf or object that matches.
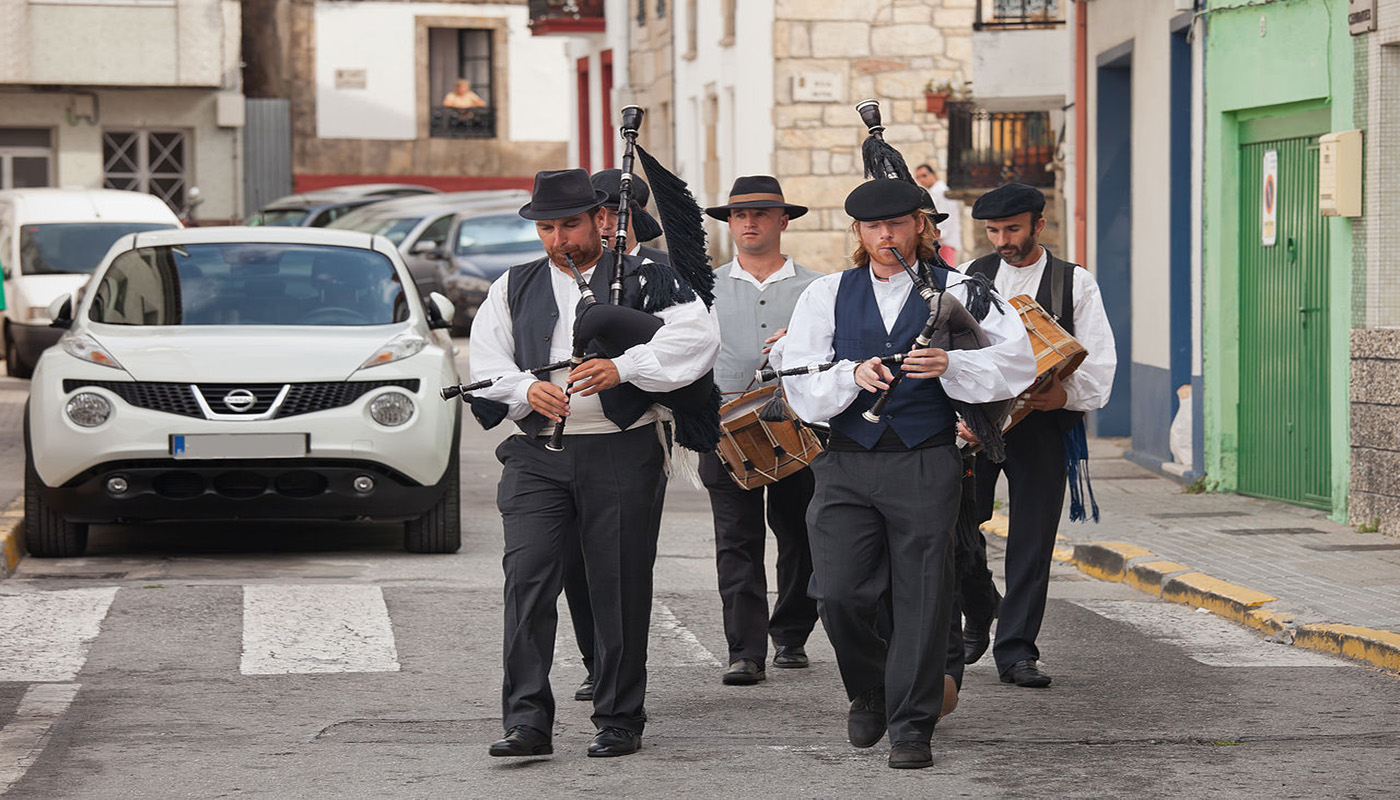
(607, 330)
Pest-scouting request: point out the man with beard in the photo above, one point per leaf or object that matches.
(606, 485)
(887, 492)
(1035, 463)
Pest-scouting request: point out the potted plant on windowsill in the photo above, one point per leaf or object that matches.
(936, 96)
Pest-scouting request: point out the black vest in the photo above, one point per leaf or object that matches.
(533, 313)
(1056, 295)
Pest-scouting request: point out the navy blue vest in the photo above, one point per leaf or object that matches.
(533, 313)
(918, 409)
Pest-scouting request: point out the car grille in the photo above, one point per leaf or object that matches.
(302, 398)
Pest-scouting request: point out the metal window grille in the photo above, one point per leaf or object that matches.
(26, 158)
(152, 161)
(1018, 14)
(987, 149)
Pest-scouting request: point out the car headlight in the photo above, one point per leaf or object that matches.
(84, 347)
(399, 347)
(88, 409)
(391, 409)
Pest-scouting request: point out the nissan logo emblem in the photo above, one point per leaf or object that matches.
(239, 400)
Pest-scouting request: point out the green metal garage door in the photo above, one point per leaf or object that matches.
(1284, 433)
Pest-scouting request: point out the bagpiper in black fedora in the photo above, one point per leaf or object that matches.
(562, 193)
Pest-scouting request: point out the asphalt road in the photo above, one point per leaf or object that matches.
(306, 661)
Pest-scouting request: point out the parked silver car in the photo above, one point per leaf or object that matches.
(319, 208)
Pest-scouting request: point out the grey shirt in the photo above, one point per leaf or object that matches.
(749, 314)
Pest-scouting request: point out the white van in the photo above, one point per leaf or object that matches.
(50, 242)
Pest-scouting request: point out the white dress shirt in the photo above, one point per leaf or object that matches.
(999, 371)
(787, 270)
(681, 351)
(1089, 387)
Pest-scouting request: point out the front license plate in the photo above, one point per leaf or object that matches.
(240, 445)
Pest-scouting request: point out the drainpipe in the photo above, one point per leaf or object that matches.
(1081, 130)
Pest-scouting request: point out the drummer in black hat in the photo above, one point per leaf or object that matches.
(887, 492)
(1036, 459)
(527, 321)
(754, 297)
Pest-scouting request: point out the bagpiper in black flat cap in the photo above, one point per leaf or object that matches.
(885, 198)
(561, 193)
(756, 191)
(1008, 201)
(643, 223)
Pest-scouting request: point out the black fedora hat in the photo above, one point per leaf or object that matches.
(561, 193)
(610, 181)
(756, 191)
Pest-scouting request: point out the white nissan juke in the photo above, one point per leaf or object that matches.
(245, 374)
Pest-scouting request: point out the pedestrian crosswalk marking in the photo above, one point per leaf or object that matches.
(316, 629)
(46, 635)
(24, 737)
(1206, 638)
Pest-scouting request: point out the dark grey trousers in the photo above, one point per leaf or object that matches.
(740, 536)
(607, 487)
(881, 528)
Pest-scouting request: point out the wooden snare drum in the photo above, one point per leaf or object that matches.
(1056, 352)
(757, 452)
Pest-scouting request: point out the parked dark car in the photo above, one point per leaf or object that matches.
(420, 225)
(483, 244)
(320, 208)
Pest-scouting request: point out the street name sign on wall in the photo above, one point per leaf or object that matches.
(1361, 16)
(1269, 199)
(351, 78)
(816, 87)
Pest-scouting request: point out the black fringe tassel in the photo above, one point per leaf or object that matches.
(662, 287)
(987, 431)
(698, 429)
(684, 225)
(981, 297)
(883, 161)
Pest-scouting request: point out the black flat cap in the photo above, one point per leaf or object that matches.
(561, 193)
(756, 191)
(610, 181)
(885, 198)
(1008, 201)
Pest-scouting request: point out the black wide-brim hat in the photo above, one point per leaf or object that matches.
(561, 193)
(756, 191)
(886, 198)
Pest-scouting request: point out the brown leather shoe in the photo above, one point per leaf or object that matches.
(910, 755)
(865, 723)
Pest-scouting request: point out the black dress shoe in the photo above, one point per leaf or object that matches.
(865, 723)
(744, 672)
(522, 740)
(1025, 673)
(977, 636)
(910, 755)
(585, 689)
(791, 657)
(614, 742)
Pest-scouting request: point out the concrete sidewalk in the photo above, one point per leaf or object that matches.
(1288, 571)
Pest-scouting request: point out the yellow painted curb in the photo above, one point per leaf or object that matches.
(1225, 599)
(1107, 561)
(1063, 554)
(1149, 576)
(1378, 647)
(998, 525)
(1270, 622)
(11, 535)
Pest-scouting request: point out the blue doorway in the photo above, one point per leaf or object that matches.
(1114, 212)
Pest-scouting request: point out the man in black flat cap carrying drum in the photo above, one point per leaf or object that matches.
(754, 297)
(887, 492)
(606, 484)
(1035, 463)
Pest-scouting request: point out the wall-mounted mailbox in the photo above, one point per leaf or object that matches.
(1339, 174)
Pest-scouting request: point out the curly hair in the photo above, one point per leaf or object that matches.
(928, 246)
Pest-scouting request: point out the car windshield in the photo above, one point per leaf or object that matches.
(73, 247)
(241, 283)
(279, 218)
(395, 229)
(503, 233)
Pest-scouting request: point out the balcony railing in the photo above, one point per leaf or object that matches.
(998, 14)
(987, 149)
(462, 123)
(566, 16)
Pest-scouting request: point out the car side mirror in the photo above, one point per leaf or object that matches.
(440, 311)
(424, 247)
(61, 311)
